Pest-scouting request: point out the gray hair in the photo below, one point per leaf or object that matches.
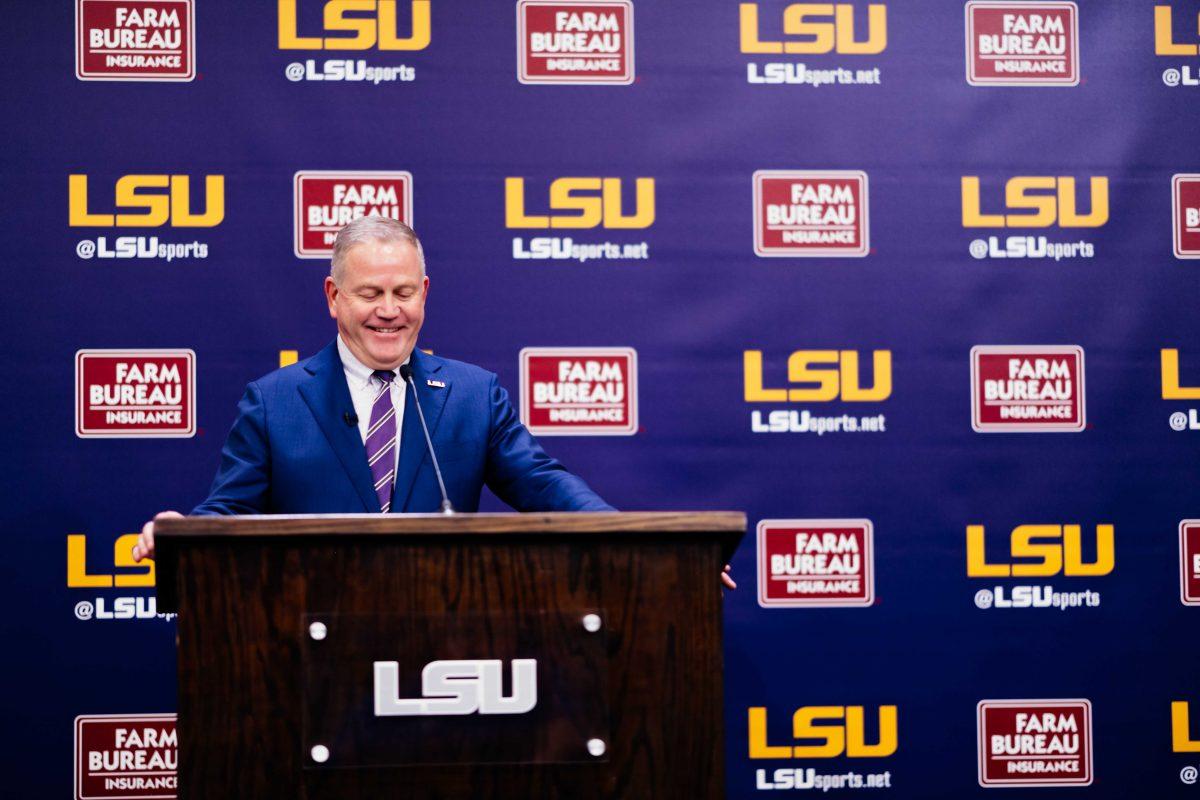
(371, 229)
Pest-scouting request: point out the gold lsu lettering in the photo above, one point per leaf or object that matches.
(1030, 192)
(595, 201)
(78, 576)
(1181, 738)
(817, 33)
(840, 730)
(157, 207)
(1171, 390)
(362, 32)
(1164, 40)
(1055, 549)
(823, 374)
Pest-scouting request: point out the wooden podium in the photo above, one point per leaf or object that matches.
(466, 656)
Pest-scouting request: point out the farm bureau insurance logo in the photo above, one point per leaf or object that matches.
(814, 30)
(575, 42)
(1189, 562)
(1165, 44)
(826, 732)
(810, 213)
(145, 201)
(824, 563)
(1022, 44)
(126, 757)
(582, 203)
(1040, 551)
(135, 394)
(135, 40)
(579, 391)
(1035, 742)
(125, 573)
(1027, 388)
(1185, 208)
(353, 25)
(817, 376)
(326, 200)
(1033, 201)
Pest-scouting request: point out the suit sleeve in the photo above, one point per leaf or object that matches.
(521, 473)
(243, 479)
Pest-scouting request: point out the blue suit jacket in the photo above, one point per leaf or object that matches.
(291, 450)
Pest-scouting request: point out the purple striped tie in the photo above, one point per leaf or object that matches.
(381, 441)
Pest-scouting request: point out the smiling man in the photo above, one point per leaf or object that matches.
(340, 433)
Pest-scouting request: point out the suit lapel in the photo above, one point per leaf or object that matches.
(412, 438)
(328, 397)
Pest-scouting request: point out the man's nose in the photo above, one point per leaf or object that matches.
(388, 307)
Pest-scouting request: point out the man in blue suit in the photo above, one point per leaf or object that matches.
(301, 440)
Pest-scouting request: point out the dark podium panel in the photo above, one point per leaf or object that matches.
(466, 656)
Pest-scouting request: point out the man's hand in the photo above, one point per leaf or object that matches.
(145, 543)
(725, 577)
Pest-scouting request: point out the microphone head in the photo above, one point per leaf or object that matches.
(406, 371)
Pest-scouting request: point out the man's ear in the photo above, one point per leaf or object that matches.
(331, 293)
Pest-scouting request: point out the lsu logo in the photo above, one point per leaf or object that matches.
(150, 201)
(379, 30)
(326, 200)
(1035, 742)
(578, 203)
(139, 753)
(1181, 737)
(1164, 37)
(836, 730)
(1022, 44)
(1189, 562)
(456, 688)
(1185, 207)
(816, 562)
(820, 376)
(815, 29)
(1043, 550)
(804, 213)
(135, 40)
(588, 42)
(135, 574)
(1027, 388)
(135, 393)
(1171, 386)
(579, 391)
(1036, 201)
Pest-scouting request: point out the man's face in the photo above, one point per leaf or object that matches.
(380, 304)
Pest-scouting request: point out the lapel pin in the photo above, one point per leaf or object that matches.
(436, 384)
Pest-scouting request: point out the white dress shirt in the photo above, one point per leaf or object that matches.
(364, 386)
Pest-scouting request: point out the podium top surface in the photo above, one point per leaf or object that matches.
(725, 522)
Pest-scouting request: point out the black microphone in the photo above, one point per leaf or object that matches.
(351, 418)
(406, 374)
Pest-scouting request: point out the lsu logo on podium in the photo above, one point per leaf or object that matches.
(823, 563)
(579, 391)
(1022, 44)
(577, 41)
(1189, 562)
(1035, 742)
(1185, 207)
(135, 40)
(135, 394)
(1027, 388)
(149, 201)
(814, 29)
(808, 214)
(126, 756)
(354, 25)
(326, 200)
(828, 732)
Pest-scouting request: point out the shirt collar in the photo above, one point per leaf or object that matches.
(357, 373)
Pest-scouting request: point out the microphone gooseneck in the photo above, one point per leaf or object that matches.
(406, 374)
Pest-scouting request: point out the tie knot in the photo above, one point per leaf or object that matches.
(387, 376)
